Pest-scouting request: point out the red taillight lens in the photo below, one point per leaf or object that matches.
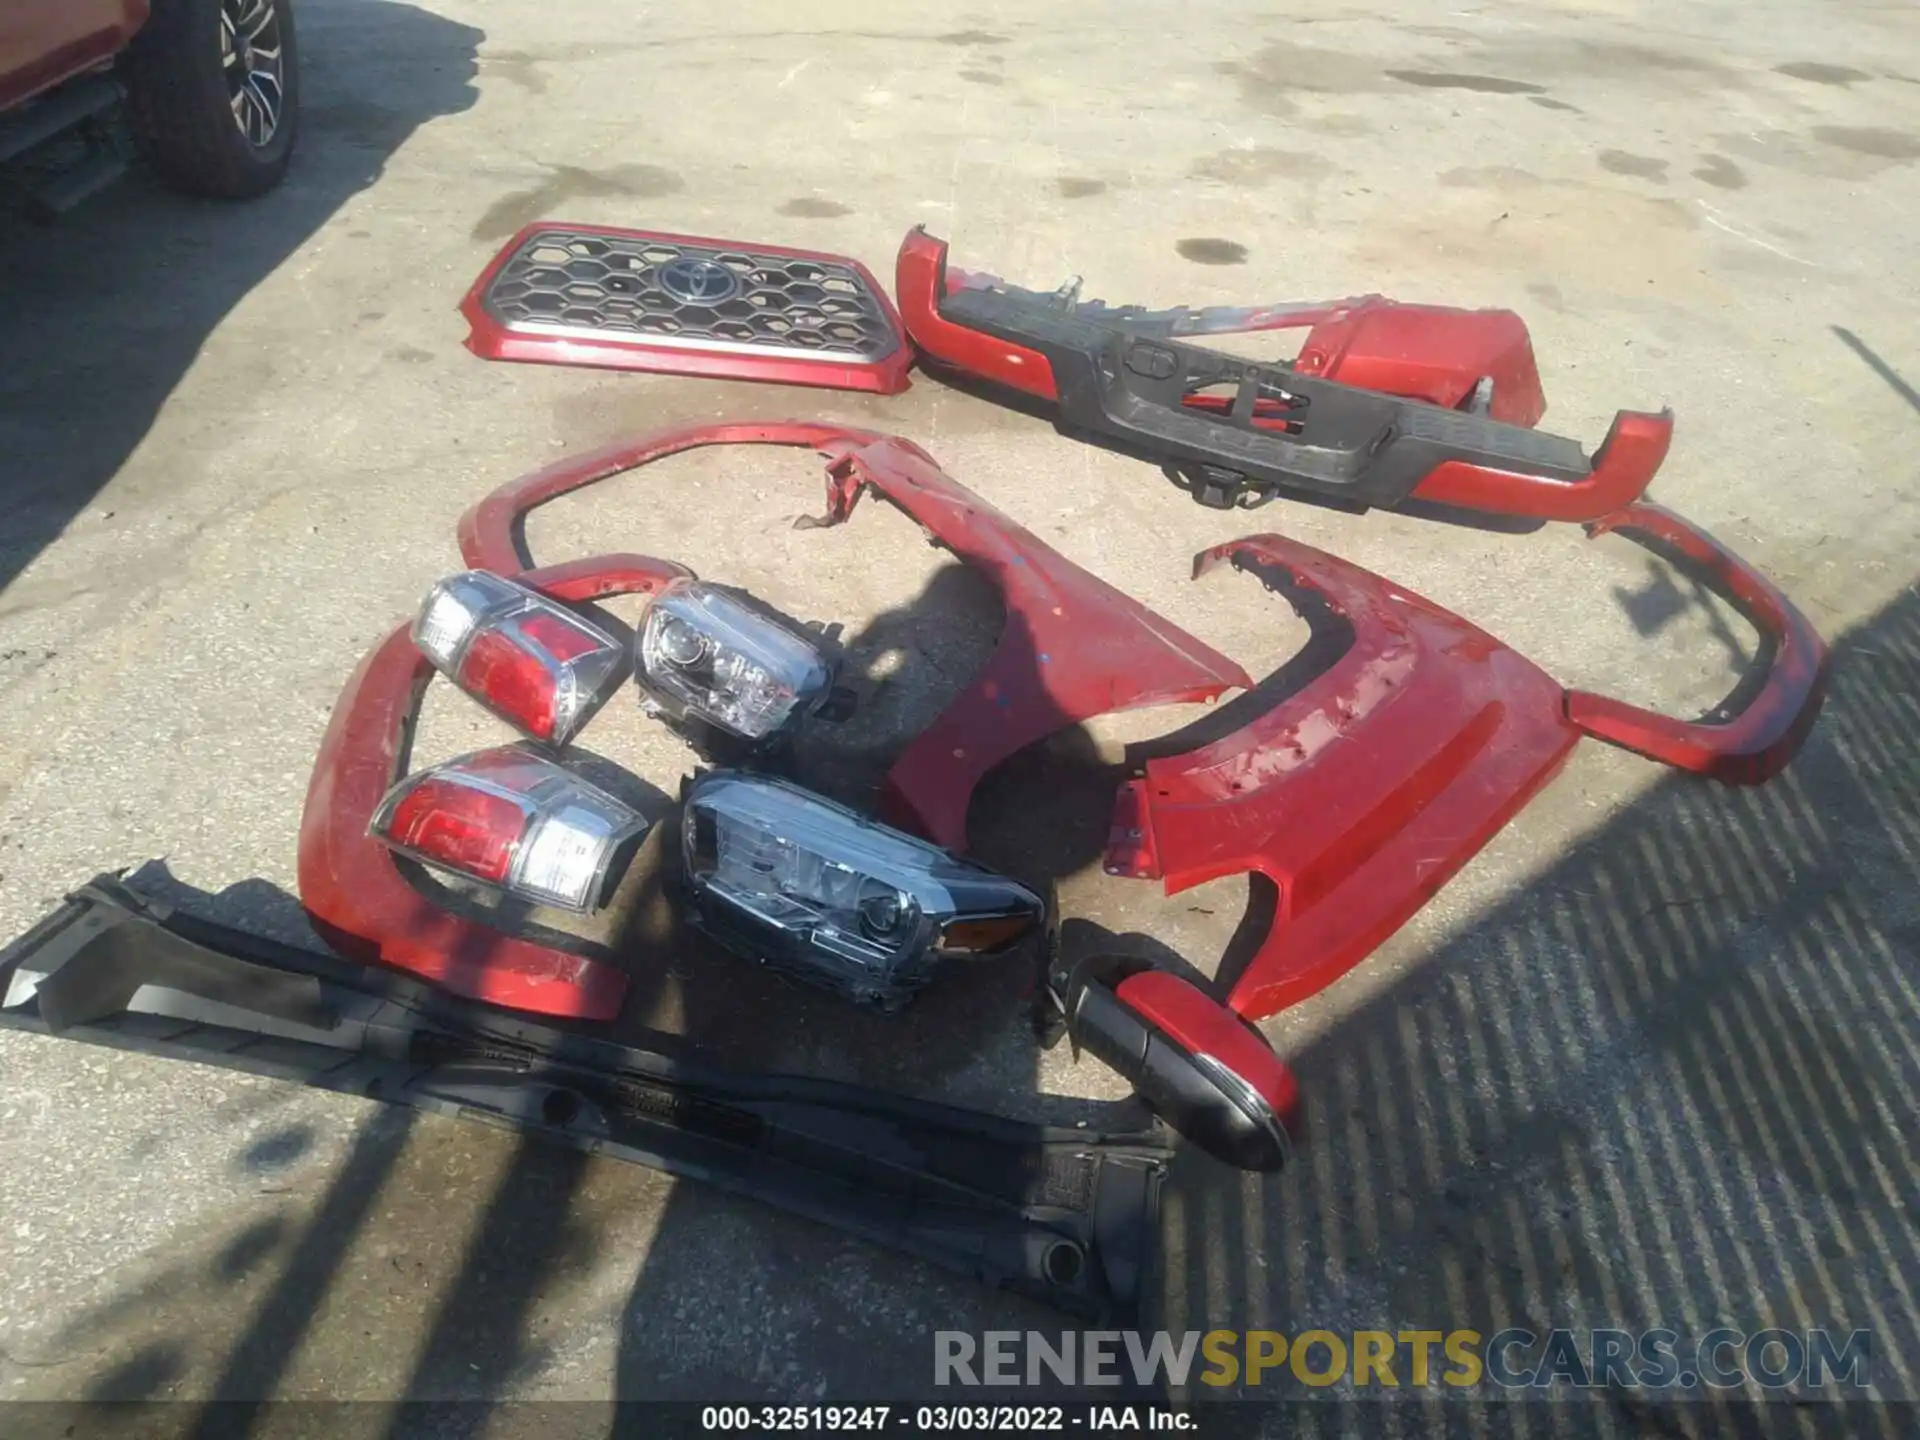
(512, 683)
(531, 661)
(515, 821)
(564, 640)
(472, 831)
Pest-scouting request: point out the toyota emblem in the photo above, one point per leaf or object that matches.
(693, 281)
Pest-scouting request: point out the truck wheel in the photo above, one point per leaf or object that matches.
(214, 94)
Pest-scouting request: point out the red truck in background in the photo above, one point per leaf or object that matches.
(208, 89)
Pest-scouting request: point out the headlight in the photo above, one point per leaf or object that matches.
(788, 877)
(712, 655)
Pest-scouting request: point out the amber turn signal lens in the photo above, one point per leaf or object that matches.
(984, 935)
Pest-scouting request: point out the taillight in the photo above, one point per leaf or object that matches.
(710, 654)
(528, 659)
(515, 821)
(459, 826)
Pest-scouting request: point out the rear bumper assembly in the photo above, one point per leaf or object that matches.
(1456, 359)
(1068, 1217)
(686, 305)
(1235, 432)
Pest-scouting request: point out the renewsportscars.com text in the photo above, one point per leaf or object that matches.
(1658, 1359)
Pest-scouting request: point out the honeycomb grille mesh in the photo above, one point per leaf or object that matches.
(642, 289)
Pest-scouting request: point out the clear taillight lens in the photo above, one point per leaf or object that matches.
(531, 661)
(515, 821)
(712, 655)
(788, 877)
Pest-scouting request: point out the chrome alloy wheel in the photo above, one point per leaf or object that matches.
(250, 56)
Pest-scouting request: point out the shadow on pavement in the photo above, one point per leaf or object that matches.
(1667, 1085)
(107, 309)
(1896, 382)
(228, 1314)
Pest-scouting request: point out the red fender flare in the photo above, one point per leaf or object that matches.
(1363, 792)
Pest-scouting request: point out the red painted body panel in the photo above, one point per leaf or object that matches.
(357, 898)
(919, 280)
(43, 42)
(491, 340)
(1623, 467)
(1755, 744)
(1073, 647)
(1361, 794)
(1427, 352)
(488, 533)
(1201, 1025)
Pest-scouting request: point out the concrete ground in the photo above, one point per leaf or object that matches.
(1648, 1061)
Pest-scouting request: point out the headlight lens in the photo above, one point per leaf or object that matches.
(708, 653)
(788, 877)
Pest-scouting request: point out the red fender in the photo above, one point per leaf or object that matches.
(1073, 647)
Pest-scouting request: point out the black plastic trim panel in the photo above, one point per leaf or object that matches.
(1278, 430)
(1068, 1217)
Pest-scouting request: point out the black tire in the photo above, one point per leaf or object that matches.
(182, 106)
